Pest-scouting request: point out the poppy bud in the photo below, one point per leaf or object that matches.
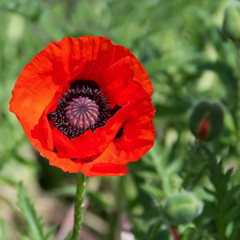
(231, 22)
(206, 120)
(182, 208)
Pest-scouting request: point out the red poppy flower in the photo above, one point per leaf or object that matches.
(85, 104)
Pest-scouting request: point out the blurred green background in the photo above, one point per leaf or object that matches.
(181, 46)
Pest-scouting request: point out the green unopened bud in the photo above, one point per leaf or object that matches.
(182, 208)
(231, 22)
(206, 120)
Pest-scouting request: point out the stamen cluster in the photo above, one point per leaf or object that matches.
(81, 108)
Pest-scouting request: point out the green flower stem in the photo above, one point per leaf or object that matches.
(156, 230)
(78, 213)
(216, 174)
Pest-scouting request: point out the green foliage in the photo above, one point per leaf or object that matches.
(33, 223)
(231, 27)
(224, 211)
(184, 51)
(68, 237)
(3, 230)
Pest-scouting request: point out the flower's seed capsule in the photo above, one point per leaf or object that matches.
(82, 112)
(231, 22)
(182, 208)
(206, 120)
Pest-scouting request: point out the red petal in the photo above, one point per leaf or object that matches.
(37, 84)
(90, 144)
(137, 138)
(203, 128)
(140, 73)
(106, 170)
(116, 79)
(101, 50)
(48, 75)
(91, 49)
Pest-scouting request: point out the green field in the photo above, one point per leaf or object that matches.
(188, 57)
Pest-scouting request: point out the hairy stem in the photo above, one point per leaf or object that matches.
(78, 213)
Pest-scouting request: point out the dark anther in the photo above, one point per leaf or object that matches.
(74, 159)
(81, 108)
(120, 132)
(55, 150)
(115, 109)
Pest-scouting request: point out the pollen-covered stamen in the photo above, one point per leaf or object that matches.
(82, 112)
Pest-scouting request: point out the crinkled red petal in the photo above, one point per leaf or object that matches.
(89, 144)
(101, 49)
(137, 138)
(48, 75)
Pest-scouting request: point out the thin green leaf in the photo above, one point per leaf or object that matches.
(7, 180)
(153, 191)
(68, 236)
(213, 193)
(233, 213)
(23, 237)
(154, 228)
(34, 226)
(97, 200)
(50, 232)
(147, 174)
(3, 231)
(65, 191)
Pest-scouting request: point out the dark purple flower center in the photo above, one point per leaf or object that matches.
(81, 108)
